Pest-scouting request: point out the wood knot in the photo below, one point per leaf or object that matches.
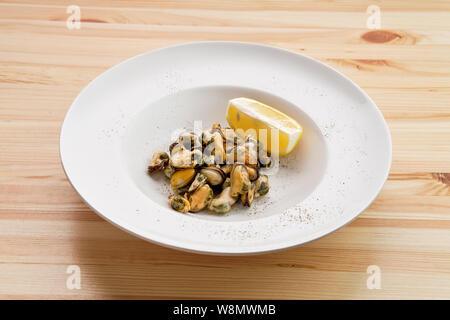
(442, 178)
(380, 36)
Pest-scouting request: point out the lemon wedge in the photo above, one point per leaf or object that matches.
(253, 116)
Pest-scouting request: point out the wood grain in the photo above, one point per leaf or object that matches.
(45, 227)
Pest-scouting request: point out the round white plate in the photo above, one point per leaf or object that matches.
(116, 123)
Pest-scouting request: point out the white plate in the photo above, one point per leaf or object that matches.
(116, 123)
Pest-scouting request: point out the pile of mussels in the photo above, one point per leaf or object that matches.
(213, 170)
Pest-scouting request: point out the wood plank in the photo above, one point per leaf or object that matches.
(391, 19)
(347, 5)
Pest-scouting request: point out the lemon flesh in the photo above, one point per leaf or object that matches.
(252, 116)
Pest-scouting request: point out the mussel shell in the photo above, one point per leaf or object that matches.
(214, 175)
(226, 168)
(226, 183)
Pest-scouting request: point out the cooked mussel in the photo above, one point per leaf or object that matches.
(247, 198)
(181, 158)
(159, 160)
(240, 181)
(253, 173)
(216, 126)
(179, 203)
(190, 141)
(223, 202)
(201, 198)
(197, 157)
(219, 150)
(208, 160)
(181, 178)
(199, 181)
(169, 171)
(251, 154)
(264, 159)
(207, 136)
(214, 175)
(175, 148)
(231, 155)
(240, 154)
(261, 186)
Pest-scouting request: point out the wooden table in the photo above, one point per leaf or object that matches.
(45, 226)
